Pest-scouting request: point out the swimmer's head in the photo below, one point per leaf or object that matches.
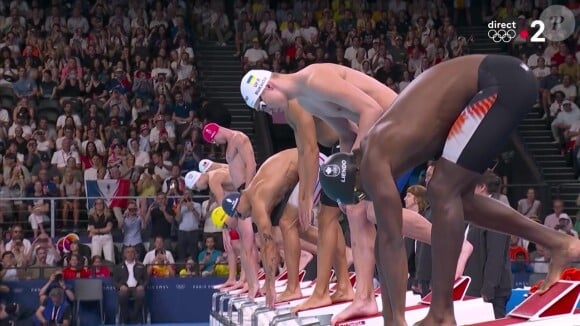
(338, 177)
(259, 93)
(204, 165)
(219, 217)
(236, 206)
(196, 181)
(212, 133)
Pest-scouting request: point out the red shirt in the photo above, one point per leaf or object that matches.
(558, 59)
(102, 272)
(70, 274)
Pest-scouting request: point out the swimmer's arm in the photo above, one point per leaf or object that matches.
(247, 153)
(269, 248)
(215, 187)
(305, 134)
(247, 259)
(346, 131)
(347, 96)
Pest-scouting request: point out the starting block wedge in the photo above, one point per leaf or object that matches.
(559, 300)
(459, 290)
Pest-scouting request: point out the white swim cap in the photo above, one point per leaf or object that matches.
(204, 165)
(253, 84)
(191, 179)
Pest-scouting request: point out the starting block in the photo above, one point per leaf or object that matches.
(557, 306)
(467, 310)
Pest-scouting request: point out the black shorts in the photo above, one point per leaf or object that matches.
(278, 210)
(507, 91)
(324, 199)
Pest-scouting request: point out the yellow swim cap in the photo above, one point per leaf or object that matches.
(218, 217)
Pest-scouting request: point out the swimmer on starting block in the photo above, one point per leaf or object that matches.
(349, 102)
(219, 183)
(461, 111)
(271, 199)
(241, 163)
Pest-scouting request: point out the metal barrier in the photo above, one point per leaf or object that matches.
(56, 210)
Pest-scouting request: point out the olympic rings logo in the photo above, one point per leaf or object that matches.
(501, 35)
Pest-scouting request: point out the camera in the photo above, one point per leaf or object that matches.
(11, 308)
(58, 277)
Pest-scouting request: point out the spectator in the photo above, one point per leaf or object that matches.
(565, 225)
(9, 271)
(132, 226)
(540, 260)
(208, 257)
(556, 106)
(75, 269)
(209, 228)
(54, 310)
(100, 227)
(18, 243)
(553, 219)
(189, 236)
(255, 57)
(567, 87)
(98, 270)
(158, 243)
(160, 267)
(56, 281)
(161, 216)
(564, 120)
(79, 249)
(189, 269)
(530, 206)
(130, 279)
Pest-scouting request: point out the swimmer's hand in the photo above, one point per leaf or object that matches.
(305, 214)
(270, 290)
(227, 241)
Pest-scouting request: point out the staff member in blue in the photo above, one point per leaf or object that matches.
(55, 310)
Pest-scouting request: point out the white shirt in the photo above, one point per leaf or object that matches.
(541, 72)
(154, 134)
(290, 36)
(61, 120)
(131, 280)
(255, 55)
(141, 158)
(150, 257)
(26, 131)
(350, 53)
(98, 144)
(25, 242)
(308, 32)
(208, 226)
(268, 27)
(60, 157)
(569, 91)
(568, 117)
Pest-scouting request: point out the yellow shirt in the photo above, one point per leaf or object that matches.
(161, 270)
(565, 69)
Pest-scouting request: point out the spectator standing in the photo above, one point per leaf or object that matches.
(189, 235)
(132, 226)
(100, 227)
(530, 206)
(161, 216)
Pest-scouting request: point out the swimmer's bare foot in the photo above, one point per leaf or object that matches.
(341, 295)
(289, 295)
(315, 301)
(560, 258)
(358, 308)
(448, 320)
(466, 251)
(227, 284)
(236, 286)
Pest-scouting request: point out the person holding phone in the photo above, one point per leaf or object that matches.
(208, 257)
(188, 215)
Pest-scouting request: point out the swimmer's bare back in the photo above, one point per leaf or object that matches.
(277, 175)
(220, 178)
(421, 117)
(324, 75)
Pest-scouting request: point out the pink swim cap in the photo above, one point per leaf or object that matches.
(210, 131)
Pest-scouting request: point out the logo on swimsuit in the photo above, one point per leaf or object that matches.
(331, 170)
(343, 171)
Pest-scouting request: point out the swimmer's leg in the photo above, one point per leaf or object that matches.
(363, 234)
(291, 244)
(445, 191)
(331, 252)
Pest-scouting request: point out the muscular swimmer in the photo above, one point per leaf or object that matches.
(462, 111)
(272, 200)
(242, 167)
(349, 102)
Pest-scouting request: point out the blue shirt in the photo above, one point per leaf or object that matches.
(210, 263)
(132, 231)
(56, 313)
(182, 110)
(24, 86)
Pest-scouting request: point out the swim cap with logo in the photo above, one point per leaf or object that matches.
(338, 179)
(253, 84)
(209, 132)
(204, 165)
(230, 203)
(191, 179)
(219, 217)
